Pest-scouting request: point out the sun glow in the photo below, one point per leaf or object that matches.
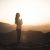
(32, 11)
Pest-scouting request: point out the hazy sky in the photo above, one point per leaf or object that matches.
(32, 11)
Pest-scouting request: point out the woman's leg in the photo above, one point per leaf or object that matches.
(18, 35)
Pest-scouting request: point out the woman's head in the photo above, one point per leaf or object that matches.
(17, 14)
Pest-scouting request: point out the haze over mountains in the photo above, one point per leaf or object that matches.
(8, 35)
(4, 27)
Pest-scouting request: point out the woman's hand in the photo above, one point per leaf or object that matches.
(21, 22)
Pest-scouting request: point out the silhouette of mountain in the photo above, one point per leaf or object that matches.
(8, 38)
(4, 27)
(35, 37)
(32, 37)
(43, 28)
(28, 38)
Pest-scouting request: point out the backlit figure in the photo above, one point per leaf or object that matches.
(18, 22)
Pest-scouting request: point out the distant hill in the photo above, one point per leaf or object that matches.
(8, 38)
(43, 28)
(4, 27)
(33, 37)
(8, 35)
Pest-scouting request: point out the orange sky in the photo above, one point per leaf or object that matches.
(33, 12)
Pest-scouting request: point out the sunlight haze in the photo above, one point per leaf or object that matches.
(33, 12)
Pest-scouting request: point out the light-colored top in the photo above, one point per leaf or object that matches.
(19, 25)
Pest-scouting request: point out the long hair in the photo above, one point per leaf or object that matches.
(17, 17)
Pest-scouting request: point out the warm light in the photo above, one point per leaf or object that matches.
(32, 12)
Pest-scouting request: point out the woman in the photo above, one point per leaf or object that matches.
(18, 22)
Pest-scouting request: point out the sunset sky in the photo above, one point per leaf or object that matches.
(33, 12)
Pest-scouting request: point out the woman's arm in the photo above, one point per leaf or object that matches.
(21, 22)
(15, 20)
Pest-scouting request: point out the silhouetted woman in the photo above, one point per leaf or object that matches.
(18, 22)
